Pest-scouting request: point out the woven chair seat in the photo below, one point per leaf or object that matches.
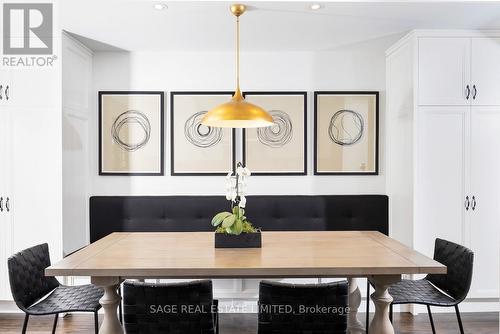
(82, 298)
(419, 292)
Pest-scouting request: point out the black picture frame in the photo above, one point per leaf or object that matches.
(172, 150)
(315, 121)
(162, 132)
(244, 148)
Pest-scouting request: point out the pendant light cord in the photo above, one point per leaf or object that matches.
(238, 53)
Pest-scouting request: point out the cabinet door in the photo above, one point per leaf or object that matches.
(443, 71)
(440, 184)
(486, 71)
(5, 195)
(36, 179)
(484, 228)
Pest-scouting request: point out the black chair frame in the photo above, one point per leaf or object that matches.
(36, 294)
(453, 286)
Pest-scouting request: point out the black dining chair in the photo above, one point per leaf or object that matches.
(302, 308)
(445, 290)
(170, 308)
(37, 294)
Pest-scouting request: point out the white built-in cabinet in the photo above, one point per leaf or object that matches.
(30, 169)
(458, 71)
(443, 71)
(449, 183)
(483, 217)
(30, 163)
(5, 200)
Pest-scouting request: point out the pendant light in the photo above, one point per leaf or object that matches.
(237, 113)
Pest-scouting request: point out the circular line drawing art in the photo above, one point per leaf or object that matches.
(201, 135)
(278, 134)
(346, 127)
(128, 118)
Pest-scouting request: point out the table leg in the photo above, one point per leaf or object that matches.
(354, 326)
(110, 301)
(382, 300)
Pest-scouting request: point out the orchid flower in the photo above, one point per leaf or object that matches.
(243, 202)
(236, 185)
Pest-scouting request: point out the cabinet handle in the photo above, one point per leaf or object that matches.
(7, 204)
(473, 203)
(7, 92)
(467, 89)
(1, 204)
(467, 203)
(1, 89)
(474, 92)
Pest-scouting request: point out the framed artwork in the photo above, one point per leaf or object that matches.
(197, 149)
(131, 133)
(346, 133)
(280, 149)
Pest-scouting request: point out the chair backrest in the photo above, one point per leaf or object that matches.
(169, 308)
(459, 261)
(304, 308)
(28, 282)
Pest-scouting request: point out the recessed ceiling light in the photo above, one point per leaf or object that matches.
(315, 6)
(160, 6)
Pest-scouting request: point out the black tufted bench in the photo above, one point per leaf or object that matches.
(272, 213)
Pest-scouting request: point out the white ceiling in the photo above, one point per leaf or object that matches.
(271, 26)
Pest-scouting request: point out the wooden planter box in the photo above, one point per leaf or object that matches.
(244, 240)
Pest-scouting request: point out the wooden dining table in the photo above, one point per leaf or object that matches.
(318, 254)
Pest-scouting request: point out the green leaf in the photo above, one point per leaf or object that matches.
(237, 227)
(242, 212)
(236, 209)
(218, 218)
(228, 221)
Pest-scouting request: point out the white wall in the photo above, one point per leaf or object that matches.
(355, 67)
(77, 106)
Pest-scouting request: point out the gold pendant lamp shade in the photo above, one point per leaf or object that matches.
(237, 113)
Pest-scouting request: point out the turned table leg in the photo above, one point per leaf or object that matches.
(354, 326)
(382, 300)
(110, 302)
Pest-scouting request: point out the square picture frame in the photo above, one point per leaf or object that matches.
(280, 149)
(346, 133)
(198, 150)
(131, 133)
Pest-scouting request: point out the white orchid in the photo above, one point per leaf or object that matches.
(235, 222)
(246, 172)
(243, 202)
(236, 185)
(243, 171)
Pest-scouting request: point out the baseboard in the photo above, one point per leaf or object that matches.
(7, 307)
